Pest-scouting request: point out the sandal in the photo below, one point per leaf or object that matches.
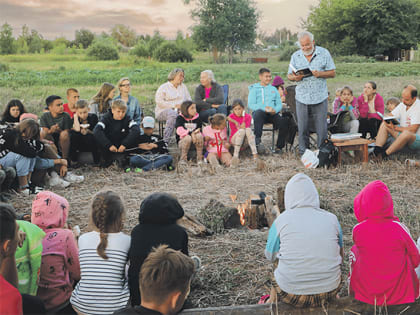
(411, 163)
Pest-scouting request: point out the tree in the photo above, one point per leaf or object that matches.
(124, 35)
(35, 42)
(7, 41)
(229, 25)
(84, 37)
(365, 27)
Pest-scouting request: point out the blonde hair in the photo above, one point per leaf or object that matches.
(122, 80)
(101, 97)
(217, 120)
(107, 215)
(119, 103)
(82, 104)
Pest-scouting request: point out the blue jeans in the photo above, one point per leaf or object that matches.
(308, 115)
(24, 165)
(148, 163)
(43, 164)
(205, 114)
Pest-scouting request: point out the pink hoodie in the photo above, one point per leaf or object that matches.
(384, 255)
(60, 257)
(216, 136)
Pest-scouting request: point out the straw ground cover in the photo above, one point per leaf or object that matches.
(234, 267)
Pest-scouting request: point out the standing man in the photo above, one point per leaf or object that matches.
(311, 90)
(265, 103)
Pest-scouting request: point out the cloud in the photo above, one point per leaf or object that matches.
(54, 18)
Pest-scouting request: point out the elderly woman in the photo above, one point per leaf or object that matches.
(370, 104)
(169, 98)
(209, 96)
(133, 106)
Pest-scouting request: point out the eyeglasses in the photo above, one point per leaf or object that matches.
(125, 85)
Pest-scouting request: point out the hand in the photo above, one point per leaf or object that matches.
(113, 148)
(75, 117)
(207, 138)
(205, 100)
(215, 105)
(316, 74)
(269, 110)
(83, 131)
(297, 77)
(242, 126)
(63, 170)
(227, 145)
(55, 128)
(121, 149)
(21, 238)
(365, 98)
(153, 146)
(196, 131)
(63, 162)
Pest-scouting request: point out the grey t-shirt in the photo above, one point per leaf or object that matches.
(63, 120)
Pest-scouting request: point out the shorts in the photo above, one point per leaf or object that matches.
(416, 144)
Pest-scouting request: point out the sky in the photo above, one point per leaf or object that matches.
(55, 18)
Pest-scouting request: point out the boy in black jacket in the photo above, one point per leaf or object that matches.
(116, 133)
(152, 152)
(82, 139)
(158, 215)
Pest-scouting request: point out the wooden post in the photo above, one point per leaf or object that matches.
(271, 211)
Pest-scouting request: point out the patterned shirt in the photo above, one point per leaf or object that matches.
(167, 96)
(312, 90)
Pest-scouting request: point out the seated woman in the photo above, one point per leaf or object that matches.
(278, 83)
(209, 97)
(307, 241)
(169, 98)
(384, 256)
(12, 112)
(348, 104)
(101, 102)
(133, 105)
(370, 104)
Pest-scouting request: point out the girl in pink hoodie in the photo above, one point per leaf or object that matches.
(384, 256)
(60, 266)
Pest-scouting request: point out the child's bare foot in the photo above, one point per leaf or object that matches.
(235, 162)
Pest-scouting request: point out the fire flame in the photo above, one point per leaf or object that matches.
(242, 211)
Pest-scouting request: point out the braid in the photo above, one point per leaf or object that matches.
(99, 208)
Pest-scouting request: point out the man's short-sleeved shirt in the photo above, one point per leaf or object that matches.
(63, 120)
(312, 90)
(408, 117)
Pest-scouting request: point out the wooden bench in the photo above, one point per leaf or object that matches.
(353, 145)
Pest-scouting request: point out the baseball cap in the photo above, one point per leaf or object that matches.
(148, 122)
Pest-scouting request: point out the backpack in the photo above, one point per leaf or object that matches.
(328, 154)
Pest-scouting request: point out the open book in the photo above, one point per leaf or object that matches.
(305, 72)
(391, 119)
(345, 136)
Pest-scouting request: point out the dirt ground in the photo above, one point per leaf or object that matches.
(234, 267)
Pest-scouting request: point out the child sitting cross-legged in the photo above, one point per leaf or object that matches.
(217, 145)
(115, 133)
(188, 130)
(347, 103)
(241, 134)
(103, 253)
(152, 152)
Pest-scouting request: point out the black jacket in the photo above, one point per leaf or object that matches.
(11, 141)
(181, 121)
(216, 96)
(109, 132)
(158, 215)
(162, 145)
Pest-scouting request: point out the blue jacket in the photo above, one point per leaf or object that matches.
(261, 96)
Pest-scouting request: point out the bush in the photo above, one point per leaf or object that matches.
(286, 52)
(353, 59)
(141, 50)
(169, 52)
(103, 50)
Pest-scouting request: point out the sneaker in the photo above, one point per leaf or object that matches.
(25, 192)
(235, 162)
(57, 181)
(197, 263)
(278, 151)
(73, 178)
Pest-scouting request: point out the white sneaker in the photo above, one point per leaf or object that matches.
(57, 181)
(73, 178)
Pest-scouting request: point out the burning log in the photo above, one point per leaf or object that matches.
(271, 210)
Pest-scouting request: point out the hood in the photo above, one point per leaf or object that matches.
(160, 208)
(49, 210)
(301, 192)
(374, 201)
(189, 119)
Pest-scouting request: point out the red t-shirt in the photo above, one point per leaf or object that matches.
(10, 298)
(67, 110)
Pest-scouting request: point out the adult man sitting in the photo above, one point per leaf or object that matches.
(407, 133)
(265, 103)
(165, 279)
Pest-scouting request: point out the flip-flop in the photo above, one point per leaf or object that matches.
(409, 162)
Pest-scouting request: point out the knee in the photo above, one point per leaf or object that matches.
(64, 135)
(406, 135)
(259, 113)
(187, 139)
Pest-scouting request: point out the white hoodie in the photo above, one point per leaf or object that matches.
(306, 240)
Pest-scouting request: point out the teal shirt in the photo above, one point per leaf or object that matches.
(261, 96)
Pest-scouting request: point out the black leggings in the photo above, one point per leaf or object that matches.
(32, 305)
(370, 125)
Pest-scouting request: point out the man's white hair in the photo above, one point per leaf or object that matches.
(210, 75)
(305, 33)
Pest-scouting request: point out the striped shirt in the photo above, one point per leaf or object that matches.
(103, 287)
